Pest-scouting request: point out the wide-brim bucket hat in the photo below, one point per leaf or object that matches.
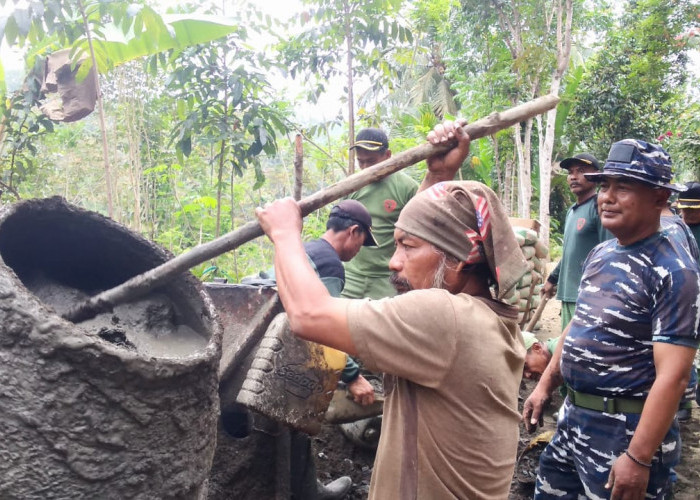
(639, 160)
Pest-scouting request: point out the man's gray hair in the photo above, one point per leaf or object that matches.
(442, 267)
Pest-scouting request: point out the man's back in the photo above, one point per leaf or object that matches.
(327, 264)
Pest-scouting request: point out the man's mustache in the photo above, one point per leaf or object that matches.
(401, 284)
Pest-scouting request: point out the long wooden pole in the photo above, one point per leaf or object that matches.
(143, 283)
(538, 314)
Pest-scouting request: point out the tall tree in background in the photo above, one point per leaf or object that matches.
(226, 103)
(562, 11)
(478, 65)
(420, 81)
(345, 37)
(635, 86)
(527, 45)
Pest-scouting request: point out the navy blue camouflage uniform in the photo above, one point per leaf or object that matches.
(679, 229)
(630, 297)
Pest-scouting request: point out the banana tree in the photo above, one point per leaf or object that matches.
(102, 34)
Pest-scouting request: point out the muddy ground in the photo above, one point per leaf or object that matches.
(336, 456)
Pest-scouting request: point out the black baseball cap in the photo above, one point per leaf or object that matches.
(583, 158)
(356, 211)
(371, 139)
(691, 197)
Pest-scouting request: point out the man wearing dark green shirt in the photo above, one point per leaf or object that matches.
(582, 232)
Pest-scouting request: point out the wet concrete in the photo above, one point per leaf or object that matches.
(123, 406)
(150, 325)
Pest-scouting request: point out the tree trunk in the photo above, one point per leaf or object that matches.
(523, 148)
(497, 165)
(101, 112)
(546, 169)
(507, 186)
(298, 166)
(547, 148)
(233, 222)
(133, 136)
(219, 185)
(351, 97)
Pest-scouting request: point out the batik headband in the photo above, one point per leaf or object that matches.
(466, 220)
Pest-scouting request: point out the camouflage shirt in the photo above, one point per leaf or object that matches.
(630, 297)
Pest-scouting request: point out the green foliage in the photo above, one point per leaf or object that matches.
(419, 70)
(345, 38)
(633, 87)
(564, 145)
(223, 101)
(121, 31)
(22, 128)
(683, 142)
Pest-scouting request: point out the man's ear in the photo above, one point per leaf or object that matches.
(662, 196)
(356, 231)
(536, 347)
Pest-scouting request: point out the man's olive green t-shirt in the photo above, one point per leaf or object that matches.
(582, 232)
(453, 365)
(384, 200)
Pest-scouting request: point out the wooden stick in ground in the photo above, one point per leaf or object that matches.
(538, 314)
(143, 283)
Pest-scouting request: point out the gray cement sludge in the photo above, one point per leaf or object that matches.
(122, 406)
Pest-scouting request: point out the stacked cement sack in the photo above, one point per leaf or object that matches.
(536, 253)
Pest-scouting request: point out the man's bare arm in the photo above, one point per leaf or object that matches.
(673, 364)
(550, 380)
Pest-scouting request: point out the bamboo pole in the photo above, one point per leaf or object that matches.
(143, 283)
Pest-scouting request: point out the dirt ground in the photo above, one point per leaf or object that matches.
(336, 456)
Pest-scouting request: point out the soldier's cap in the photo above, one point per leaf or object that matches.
(691, 197)
(356, 212)
(580, 159)
(639, 160)
(371, 139)
(529, 339)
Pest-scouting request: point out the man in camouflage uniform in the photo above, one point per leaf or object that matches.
(627, 353)
(689, 205)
